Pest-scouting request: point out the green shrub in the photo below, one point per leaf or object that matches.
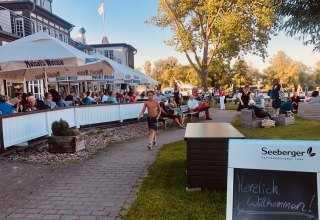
(61, 128)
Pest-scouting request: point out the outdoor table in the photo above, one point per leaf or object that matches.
(207, 154)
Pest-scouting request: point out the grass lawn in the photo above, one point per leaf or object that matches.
(301, 130)
(229, 106)
(163, 194)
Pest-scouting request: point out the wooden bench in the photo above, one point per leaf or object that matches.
(249, 119)
(165, 121)
(186, 111)
(309, 111)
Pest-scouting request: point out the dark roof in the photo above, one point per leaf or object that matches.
(27, 4)
(114, 45)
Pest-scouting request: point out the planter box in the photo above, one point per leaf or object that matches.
(281, 121)
(66, 144)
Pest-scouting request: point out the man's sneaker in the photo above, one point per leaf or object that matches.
(155, 144)
(150, 146)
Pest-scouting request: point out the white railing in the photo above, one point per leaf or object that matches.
(21, 128)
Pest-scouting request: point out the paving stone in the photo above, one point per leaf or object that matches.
(49, 211)
(69, 217)
(52, 217)
(83, 212)
(88, 217)
(65, 212)
(34, 216)
(16, 216)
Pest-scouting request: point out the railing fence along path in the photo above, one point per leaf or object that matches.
(22, 127)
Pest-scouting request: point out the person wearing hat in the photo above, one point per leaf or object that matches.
(258, 111)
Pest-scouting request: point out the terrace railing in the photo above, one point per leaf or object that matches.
(21, 127)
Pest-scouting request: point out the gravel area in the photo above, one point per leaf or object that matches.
(94, 141)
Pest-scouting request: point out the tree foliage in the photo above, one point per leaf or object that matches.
(302, 18)
(291, 73)
(206, 30)
(167, 71)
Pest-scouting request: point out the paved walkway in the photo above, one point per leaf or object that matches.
(102, 187)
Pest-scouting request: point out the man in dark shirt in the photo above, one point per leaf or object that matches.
(55, 96)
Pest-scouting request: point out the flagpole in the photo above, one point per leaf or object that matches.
(104, 20)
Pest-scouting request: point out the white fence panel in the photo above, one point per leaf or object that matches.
(130, 111)
(23, 128)
(97, 114)
(65, 114)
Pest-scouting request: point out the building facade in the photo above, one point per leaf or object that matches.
(119, 52)
(24, 17)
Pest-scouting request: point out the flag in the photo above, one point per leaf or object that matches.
(101, 9)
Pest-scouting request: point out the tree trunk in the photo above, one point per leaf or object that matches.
(204, 80)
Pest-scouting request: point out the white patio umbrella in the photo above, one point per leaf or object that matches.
(40, 55)
(127, 75)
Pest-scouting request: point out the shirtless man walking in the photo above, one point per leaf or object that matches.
(154, 112)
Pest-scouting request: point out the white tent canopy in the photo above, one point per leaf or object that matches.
(38, 55)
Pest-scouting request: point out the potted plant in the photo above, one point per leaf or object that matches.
(65, 139)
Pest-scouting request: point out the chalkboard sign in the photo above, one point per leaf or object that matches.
(273, 180)
(276, 195)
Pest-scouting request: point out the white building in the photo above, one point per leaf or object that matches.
(119, 52)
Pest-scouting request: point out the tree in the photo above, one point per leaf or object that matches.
(219, 73)
(291, 73)
(184, 73)
(302, 18)
(147, 68)
(241, 69)
(316, 74)
(206, 30)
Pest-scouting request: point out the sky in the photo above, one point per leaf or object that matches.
(125, 23)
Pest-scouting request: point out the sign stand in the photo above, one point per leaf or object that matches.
(273, 179)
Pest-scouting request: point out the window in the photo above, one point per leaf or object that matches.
(109, 54)
(39, 27)
(36, 87)
(20, 27)
(33, 26)
(56, 34)
(45, 29)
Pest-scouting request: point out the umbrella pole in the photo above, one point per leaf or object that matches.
(46, 80)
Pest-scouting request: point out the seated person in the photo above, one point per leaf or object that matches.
(166, 113)
(103, 96)
(48, 100)
(5, 108)
(112, 98)
(258, 111)
(34, 104)
(16, 100)
(167, 94)
(286, 107)
(197, 106)
(175, 110)
(133, 97)
(68, 101)
(295, 99)
(314, 99)
(84, 100)
(158, 96)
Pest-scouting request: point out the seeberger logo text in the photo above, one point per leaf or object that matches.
(279, 152)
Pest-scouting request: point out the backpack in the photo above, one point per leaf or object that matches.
(271, 94)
